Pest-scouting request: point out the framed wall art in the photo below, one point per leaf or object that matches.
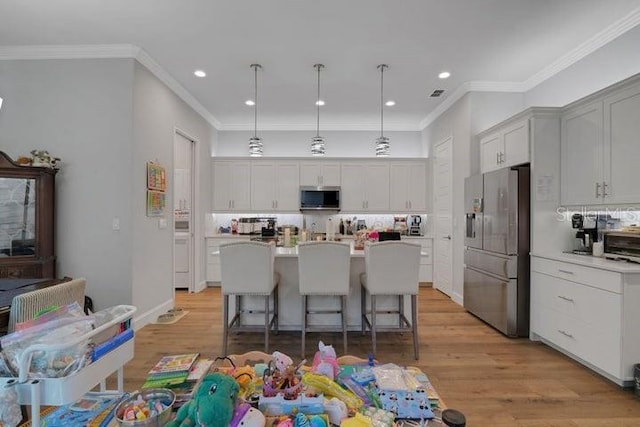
(156, 203)
(156, 177)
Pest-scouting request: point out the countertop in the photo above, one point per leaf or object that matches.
(246, 236)
(591, 261)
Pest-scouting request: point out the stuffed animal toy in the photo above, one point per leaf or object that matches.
(212, 405)
(325, 362)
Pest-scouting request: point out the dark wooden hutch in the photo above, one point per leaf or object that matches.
(27, 196)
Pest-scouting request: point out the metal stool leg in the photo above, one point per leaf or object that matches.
(363, 308)
(304, 324)
(225, 323)
(373, 324)
(414, 325)
(267, 324)
(343, 306)
(400, 311)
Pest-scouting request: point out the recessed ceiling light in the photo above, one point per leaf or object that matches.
(390, 103)
(444, 74)
(320, 102)
(200, 73)
(249, 102)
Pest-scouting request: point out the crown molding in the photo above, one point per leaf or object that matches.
(156, 69)
(108, 51)
(68, 51)
(329, 127)
(605, 36)
(586, 48)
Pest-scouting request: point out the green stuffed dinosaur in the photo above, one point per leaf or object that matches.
(211, 406)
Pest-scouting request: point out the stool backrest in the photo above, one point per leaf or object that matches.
(392, 268)
(323, 268)
(247, 268)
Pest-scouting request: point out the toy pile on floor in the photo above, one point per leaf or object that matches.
(281, 393)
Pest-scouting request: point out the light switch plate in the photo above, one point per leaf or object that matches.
(115, 224)
(162, 223)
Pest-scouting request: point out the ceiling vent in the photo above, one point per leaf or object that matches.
(436, 93)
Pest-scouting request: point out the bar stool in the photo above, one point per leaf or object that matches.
(323, 269)
(247, 270)
(391, 268)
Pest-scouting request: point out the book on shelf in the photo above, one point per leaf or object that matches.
(173, 364)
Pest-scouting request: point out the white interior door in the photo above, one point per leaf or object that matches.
(183, 192)
(442, 178)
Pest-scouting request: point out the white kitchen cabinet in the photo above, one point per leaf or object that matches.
(587, 313)
(600, 148)
(365, 187)
(408, 187)
(275, 186)
(582, 151)
(425, 273)
(231, 185)
(319, 174)
(212, 257)
(506, 146)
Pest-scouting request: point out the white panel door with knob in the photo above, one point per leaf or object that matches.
(442, 178)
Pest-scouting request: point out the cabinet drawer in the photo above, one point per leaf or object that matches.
(595, 345)
(602, 279)
(584, 303)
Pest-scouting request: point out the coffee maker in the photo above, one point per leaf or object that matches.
(414, 225)
(587, 233)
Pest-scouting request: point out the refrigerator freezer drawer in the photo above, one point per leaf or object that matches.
(505, 266)
(492, 300)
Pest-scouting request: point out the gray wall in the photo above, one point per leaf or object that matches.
(454, 123)
(157, 112)
(105, 119)
(338, 143)
(80, 111)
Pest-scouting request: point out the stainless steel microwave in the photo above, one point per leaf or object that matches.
(319, 198)
(622, 244)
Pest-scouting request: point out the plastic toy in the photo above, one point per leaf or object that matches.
(212, 405)
(280, 377)
(324, 361)
(336, 410)
(331, 389)
(246, 416)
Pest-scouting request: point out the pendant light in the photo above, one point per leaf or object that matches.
(255, 143)
(317, 142)
(382, 143)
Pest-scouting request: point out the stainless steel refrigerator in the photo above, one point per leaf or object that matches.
(496, 274)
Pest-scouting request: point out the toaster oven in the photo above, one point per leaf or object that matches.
(622, 245)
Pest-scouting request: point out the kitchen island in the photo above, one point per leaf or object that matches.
(290, 301)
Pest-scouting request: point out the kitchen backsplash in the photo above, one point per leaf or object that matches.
(318, 221)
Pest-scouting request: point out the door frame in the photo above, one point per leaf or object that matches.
(447, 140)
(197, 282)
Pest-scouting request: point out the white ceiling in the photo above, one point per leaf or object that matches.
(500, 43)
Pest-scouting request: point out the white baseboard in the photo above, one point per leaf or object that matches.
(457, 298)
(151, 315)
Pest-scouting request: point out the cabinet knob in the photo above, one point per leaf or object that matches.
(604, 189)
(597, 190)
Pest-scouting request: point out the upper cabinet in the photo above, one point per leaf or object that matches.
(506, 146)
(319, 174)
(408, 186)
(582, 155)
(600, 149)
(275, 186)
(231, 185)
(365, 187)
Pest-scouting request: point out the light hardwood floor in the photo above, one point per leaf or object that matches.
(495, 381)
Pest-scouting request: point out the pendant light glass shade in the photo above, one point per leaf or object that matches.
(382, 143)
(317, 142)
(255, 143)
